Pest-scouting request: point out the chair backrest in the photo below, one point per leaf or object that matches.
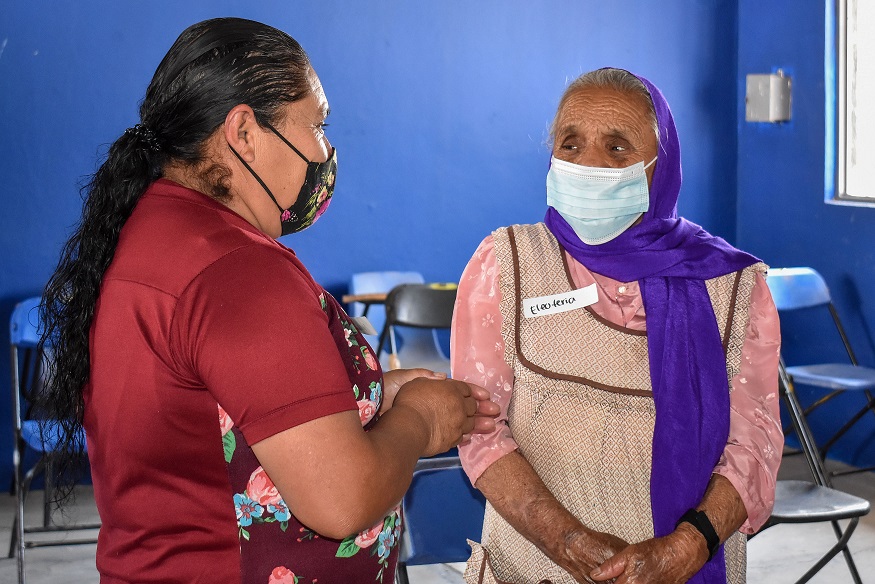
(377, 282)
(26, 365)
(421, 305)
(794, 288)
(414, 313)
(24, 329)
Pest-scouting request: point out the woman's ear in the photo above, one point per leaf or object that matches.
(239, 131)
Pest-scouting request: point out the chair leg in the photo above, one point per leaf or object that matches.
(49, 485)
(13, 537)
(22, 486)
(849, 559)
(841, 473)
(841, 545)
(870, 406)
(401, 573)
(21, 493)
(800, 425)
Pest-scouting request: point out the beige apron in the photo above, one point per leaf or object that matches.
(567, 407)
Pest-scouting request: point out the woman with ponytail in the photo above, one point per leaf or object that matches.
(238, 427)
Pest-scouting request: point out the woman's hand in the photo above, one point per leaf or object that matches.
(585, 550)
(394, 379)
(450, 410)
(672, 559)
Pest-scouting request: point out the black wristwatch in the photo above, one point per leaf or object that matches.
(700, 521)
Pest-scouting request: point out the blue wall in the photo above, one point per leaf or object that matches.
(440, 112)
(781, 212)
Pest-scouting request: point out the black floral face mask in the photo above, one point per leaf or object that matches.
(314, 196)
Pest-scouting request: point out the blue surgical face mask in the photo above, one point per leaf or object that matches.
(598, 203)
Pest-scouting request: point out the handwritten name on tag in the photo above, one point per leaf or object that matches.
(544, 305)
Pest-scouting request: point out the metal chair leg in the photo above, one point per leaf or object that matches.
(841, 545)
(49, 481)
(844, 537)
(20, 496)
(401, 573)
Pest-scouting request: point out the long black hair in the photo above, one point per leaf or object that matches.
(213, 66)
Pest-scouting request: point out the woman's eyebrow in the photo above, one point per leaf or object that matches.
(566, 129)
(621, 133)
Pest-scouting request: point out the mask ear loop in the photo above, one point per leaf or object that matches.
(289, 144)
(258, 178)
(649, 164)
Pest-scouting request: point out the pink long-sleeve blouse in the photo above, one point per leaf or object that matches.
(753, 451)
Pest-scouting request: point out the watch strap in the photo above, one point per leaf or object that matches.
(703, 525)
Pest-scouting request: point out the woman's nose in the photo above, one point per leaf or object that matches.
(326, 144)
(594, 157)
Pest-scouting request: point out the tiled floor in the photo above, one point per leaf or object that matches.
(778, 555)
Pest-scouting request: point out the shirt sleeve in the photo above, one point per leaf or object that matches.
(753, 452)
(252, 330)
(477, 355)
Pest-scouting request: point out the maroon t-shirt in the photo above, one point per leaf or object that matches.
(208, 337)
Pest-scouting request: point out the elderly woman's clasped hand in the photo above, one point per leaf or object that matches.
(586, 550)
(592, 557)
(672, 559)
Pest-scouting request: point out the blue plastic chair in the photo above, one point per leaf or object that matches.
(377, 282)
(442, 511)
(32, 433)
(797, 288)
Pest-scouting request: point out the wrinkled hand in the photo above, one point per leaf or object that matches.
(450, 410)
(394, 379)
(586, 550)
(672, 559)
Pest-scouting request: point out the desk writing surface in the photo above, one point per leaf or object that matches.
(371, 298)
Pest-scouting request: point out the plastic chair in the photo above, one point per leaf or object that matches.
(441, 512)
(413, 312)
(377, 282)
(797, 288)
(814, 502)
(27, 366)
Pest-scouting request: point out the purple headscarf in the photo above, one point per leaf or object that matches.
(671, 258)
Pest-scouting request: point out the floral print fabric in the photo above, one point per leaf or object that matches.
(274, 547)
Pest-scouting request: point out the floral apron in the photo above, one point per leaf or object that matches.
(274, 547)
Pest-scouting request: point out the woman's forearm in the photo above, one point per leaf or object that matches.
(315, 467)
(518, 494)
(723, 506)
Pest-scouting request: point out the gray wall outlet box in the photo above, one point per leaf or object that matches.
(767, 98)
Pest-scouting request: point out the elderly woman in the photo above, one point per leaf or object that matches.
(635, 359)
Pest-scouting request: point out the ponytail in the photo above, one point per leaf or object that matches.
(71, 293)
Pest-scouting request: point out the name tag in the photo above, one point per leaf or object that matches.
(363, 325)
(544, 305)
